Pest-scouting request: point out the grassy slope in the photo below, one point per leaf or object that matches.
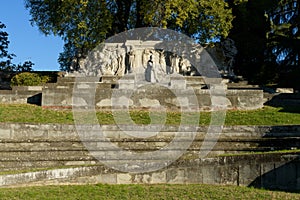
(144, 192)
(36, 114)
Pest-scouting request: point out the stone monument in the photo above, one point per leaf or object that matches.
(135, 57)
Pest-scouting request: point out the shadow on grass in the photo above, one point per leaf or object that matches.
(290, 109)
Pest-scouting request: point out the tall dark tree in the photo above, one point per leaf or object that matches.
(284, 37)
(250, 28)
(284, 40)
(267, 37)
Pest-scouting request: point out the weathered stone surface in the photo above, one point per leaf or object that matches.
(124, 179)
(85, 91)
(30, 146)
(149, 102)
(268, 171)
(285, 90)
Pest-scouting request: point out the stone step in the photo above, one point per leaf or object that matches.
(73, 137)
(125, 153)
(143, 143)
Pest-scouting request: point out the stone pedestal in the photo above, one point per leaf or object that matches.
(218, 87)
(109, 79)
(177, 82)
(127, 82)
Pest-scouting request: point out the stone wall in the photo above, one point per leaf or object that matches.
(148, 95)
(192, 92)
(277, 172)
(34, 146)
(22, 95)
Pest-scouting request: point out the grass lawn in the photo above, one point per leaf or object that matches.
(146, 192)
(264, 116)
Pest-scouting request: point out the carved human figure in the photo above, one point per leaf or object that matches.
(131, 60)
(114, 64)
(229, 52)
(150, 74)
(121, 61)
(174, 63)
(105, 63)
(162, 61)
(145, 57)
(185, 66)
(74, 65)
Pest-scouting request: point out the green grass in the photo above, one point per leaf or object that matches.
(148, 192)
(142, 192)
(264, 116)
(36, 114)
(33, 114)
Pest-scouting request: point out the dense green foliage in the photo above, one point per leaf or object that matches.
(84, 24)
(29, 79)
(175, 191)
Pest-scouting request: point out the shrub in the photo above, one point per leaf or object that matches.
(28, 79)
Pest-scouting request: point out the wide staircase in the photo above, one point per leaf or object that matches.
(29, 146)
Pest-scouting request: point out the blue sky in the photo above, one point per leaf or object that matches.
(26, 41)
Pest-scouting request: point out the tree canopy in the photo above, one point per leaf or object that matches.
(266, 34)
(284, 36)
(83, 24)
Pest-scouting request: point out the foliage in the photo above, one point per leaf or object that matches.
(25, 67)
(67, 59)
(267, 37)
(284, 36)
(28, 79)
(5, 56)
(84, 24)
(249, 33)
(284, 40)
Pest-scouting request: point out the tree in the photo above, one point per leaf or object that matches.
(249, 31)
(5, 56)
(25, 67)
(284, 40)
(267, 37)
(284, 37)
(83, 24)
